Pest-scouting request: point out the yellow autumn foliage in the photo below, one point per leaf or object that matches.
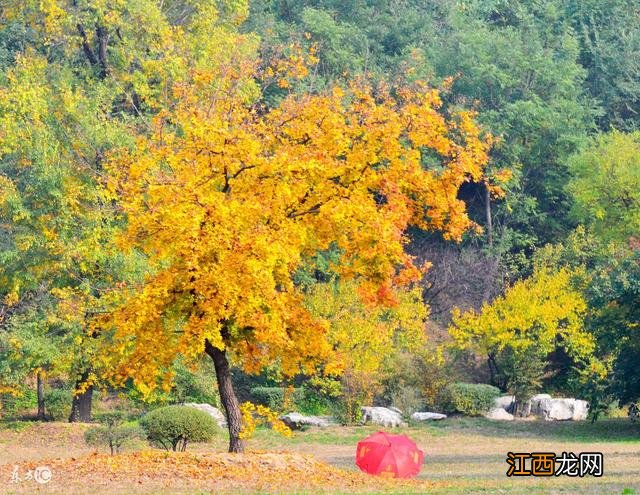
(227, 199)
(540, 312)
(367, 337)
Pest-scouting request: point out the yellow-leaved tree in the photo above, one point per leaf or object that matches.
(367, 339)
(228, 199)
(518, 330)
(77, 80)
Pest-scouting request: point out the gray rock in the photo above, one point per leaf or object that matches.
(499, 414)
(381, 416)
(538, 397)
(214, 412)
(503, 402)
(545, 407)
(561, 409)
(427, 416)
(297, 421)
(580, 410)
(541, 405)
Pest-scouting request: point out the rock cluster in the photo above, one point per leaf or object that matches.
(383, 416)
(542, 406)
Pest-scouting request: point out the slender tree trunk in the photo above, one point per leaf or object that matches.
(81, 405)
(40, 390)
(487, 209)
(227, 396)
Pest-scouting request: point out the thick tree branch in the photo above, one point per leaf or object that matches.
(86, 46)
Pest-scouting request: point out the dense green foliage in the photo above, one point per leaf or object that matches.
(275, 397)
(557, 83)
(471, 399)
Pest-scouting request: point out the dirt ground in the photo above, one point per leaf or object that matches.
(461, 456)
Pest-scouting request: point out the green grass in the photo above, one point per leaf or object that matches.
(462, 455)
(608, 430)
(15, 425)
(468, 455)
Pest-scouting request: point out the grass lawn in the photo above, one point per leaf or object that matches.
(462, 456)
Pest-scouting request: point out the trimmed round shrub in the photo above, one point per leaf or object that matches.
(471, 399)
(174, 426)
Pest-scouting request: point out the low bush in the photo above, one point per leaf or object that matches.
(471, 399)
(13, 406)
(313, 402)
(113, 432)
(57, 403)
(175, 426)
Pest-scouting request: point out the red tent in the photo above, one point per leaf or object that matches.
(385, 454)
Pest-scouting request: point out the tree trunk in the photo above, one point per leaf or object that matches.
(487, 209)
(40, 390)
(227, 396)
(81, 405)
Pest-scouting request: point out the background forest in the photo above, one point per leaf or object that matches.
(530, 236)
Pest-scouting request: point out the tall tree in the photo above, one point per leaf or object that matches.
(78, 79)
(609, 37)
(605, 185)
(520, 329)
(227, 198)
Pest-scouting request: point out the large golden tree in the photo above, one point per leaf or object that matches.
(228, 199)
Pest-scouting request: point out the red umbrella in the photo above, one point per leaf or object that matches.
(384, 454)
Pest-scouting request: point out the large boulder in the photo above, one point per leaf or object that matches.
(382, 416)
(297, 421)
(499, 414)
(214, 412)
(539, 397)
(541, 405)
(580, 410)
(504, 402)
(544, 407)
(561, 409)
(427, 416)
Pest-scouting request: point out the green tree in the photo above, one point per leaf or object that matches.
(519, 330)
(605, 185)
(609, 38)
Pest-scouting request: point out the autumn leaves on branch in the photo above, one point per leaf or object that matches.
(215, 196)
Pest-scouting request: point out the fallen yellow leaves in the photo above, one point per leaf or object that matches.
(262, 471)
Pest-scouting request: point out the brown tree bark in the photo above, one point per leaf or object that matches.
(40, 391)
(103, 39)
(100, 60)
(81, 405)
(227, 396)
